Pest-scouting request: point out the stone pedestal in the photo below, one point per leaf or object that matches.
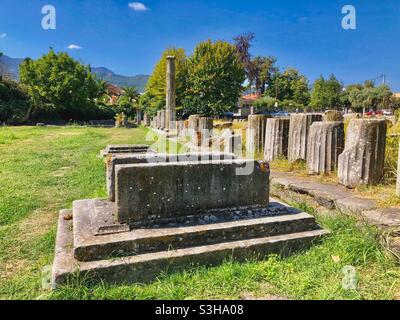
(325, 144)
(162, 119)
(170, 94)
(255, 136)
(276, 138)
(362, 161)
(298, 134)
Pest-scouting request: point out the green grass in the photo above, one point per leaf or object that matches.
(43, 170)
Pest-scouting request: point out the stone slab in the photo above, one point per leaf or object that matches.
(144, 268)
(125, 148)
(191, 231)
(328, 195)
(120, 159)
(388, 217)
(167, 190)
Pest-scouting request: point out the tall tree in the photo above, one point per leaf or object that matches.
(262, 71)
(290, 86)
(216, 76)
(243, 45)
(58, 83)
(326, 94)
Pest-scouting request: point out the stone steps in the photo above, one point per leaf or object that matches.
(80, 250)
(91, 247)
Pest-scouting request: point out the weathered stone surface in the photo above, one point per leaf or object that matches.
(204, 133)
(362, 161)
(145, 267)
(194, 122)
(387, 217)
(325, 144)
(158, 120)
(298, 134)
(180, 128)
(329, 195)
(231, 225)
(276, 138)
(170, 93)
(333, 115)
(152, 157)
(233, 144)
(162, 119)
(255, 136)
(125, 148)
(188, 188)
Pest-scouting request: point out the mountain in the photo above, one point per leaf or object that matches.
(139, 81)
(11, 65)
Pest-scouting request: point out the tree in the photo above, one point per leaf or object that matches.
(243, 44)
(156, 87)
(130, 99)
(216, 76)
(326, 94)
(290, 86)
(58, 83)
(367, 96)
(262, 71)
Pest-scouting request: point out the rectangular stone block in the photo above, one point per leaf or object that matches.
(155, 158)
(169, 190)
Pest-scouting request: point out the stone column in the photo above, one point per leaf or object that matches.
(325, 144)
(205, 129)
(276, 138)
(362, 161)
(162, 119)
(194, 126)
(255, 136)
(298, 134)
(233, 144)
(180, 128)
(170, 97)
(158, 120)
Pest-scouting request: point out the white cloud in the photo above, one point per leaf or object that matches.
(3, 35)
(137, 6)
(74, 47)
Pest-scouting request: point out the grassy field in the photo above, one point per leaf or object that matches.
(43, 170)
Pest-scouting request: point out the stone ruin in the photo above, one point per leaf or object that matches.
(298, 135)
(325, 144)
(363, 159)
(166, 212)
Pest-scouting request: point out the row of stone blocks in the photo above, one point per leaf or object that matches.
(164, 212)
(321, 142)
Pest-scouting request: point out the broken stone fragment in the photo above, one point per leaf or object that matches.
(363, 159)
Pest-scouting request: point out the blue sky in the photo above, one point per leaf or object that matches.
(303, 34)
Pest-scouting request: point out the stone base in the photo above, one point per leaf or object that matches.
(93, 245)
